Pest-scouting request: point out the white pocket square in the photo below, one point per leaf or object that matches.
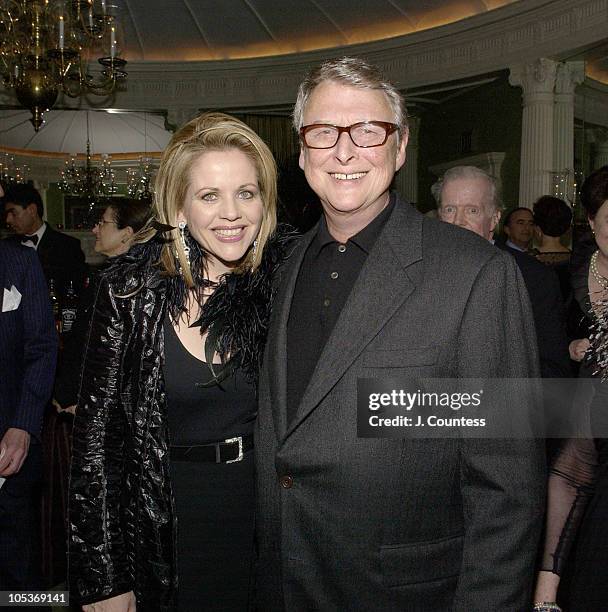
(11, 299)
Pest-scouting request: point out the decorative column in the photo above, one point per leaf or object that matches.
(537, 81)
(600, 148)
(568, 76)
(406, 182)
(176, 117)
(42, 188)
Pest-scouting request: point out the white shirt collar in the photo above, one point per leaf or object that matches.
(39, 233)
(514, 246)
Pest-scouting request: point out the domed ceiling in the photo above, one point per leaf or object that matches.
(188, 30)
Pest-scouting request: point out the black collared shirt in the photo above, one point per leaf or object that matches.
(327, 275)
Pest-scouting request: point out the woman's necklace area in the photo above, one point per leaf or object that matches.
(602, 281)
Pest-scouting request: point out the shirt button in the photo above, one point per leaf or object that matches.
(334, 275)
(286, 482)
(326, 302)
(342, 248)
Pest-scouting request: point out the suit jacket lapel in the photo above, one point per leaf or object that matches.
(276, 351)
(372, 302)
(45, 242)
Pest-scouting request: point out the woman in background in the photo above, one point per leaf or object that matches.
(117, 227)
(577, 516)
(167, 402)
(553, 219)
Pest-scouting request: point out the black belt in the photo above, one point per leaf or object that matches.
(226, 451)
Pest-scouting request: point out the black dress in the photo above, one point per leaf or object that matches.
(577, 529)
(576, 546)
(559, 262)
(214, 501)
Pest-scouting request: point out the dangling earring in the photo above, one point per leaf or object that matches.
(182, 234)
(255, 247)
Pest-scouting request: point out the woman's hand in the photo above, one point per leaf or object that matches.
(119, 603)
(546, 586)
(59, 409)
(578, 348)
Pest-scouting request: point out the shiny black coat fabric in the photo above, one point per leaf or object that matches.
(121, 514)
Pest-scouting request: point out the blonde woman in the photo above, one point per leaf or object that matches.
(163, 431)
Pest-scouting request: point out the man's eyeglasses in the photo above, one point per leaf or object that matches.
(364, 134)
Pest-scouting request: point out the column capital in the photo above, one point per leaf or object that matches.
(537, 79)
(568, 76)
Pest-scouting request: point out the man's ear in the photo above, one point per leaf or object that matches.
(302, 158)
(495, 219)
(401, 154)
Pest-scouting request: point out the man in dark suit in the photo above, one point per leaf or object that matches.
(518, 227)
(467, 196)
(376, 290)
(28, 351)
(61, 257)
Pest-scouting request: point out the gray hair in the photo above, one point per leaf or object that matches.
(467, 172)
(354, 72)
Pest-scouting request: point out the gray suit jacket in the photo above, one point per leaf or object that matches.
(400, 524)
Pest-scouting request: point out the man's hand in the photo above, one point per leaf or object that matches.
(119, 603)
(13, 451)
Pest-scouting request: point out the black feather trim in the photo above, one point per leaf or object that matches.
(140, 264)
(237, 313)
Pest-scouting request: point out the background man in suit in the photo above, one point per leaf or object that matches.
(61, 257)
(519, 229)
(376, 290)
(467, 196)
(28, 350)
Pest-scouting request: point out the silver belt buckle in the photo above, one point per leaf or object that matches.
(240, 441)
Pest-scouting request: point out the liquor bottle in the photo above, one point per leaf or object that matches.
(55, 304)
(69, 308)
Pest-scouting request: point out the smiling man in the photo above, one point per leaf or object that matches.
(376, 290)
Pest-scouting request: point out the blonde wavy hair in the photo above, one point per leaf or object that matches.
(211, 132)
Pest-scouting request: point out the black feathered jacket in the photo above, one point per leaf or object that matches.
(121, 512)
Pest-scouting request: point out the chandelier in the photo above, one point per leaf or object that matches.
(89, 181)
(566, 186)
(139, 180)
(46, 47)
